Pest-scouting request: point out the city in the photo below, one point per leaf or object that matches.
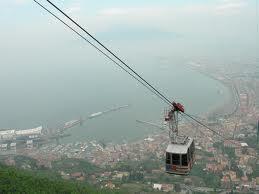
(221, 165)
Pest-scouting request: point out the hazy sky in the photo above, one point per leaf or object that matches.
(161, 28)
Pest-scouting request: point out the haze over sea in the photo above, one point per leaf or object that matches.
(52, 96)
(49, 76)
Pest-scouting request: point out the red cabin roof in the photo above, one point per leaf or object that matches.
(178, 107)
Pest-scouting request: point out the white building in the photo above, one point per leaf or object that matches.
(7, 134)
(13, 146)
(29, 144)
(157, 187)
(3, 147)
(28, 132)
(12, 134)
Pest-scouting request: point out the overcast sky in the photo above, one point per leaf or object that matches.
(150, 27)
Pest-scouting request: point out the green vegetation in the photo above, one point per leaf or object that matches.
(218, 145)
(25, 162)
(139, 188)
(209, 179)
(126, 166)
(252, 142)
(145, 165)
(20, 181)
(150, 164)
(256, 171)
(230, 152)
(75, 165)
(237, 170)
(208, 154)
(136, 176)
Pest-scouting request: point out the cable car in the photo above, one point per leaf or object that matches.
(180, 153)
(180, 156)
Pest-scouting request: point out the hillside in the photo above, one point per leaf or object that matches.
(20, 181)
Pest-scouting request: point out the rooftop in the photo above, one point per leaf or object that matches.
(181, 148)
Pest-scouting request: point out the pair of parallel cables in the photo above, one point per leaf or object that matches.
(115, 59)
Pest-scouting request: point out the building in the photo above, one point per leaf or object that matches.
(167, 187)
(258, 132)
(13, 146)
(244, 145)
(3, 147)
(157, 187)
(231, 144)
(257, 184)
(225, 182)
(110, 185)
(13, 134)
(212, 168)
(29, 144)
(231, 174)
(10, 162)
(29, 132)
(7, 134)
(77, 175)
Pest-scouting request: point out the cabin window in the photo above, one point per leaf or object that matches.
(192, 149)
(189, 155)
(184, 160)
(176, 159)
(168, 158)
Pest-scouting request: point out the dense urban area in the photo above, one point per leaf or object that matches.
(221, 165)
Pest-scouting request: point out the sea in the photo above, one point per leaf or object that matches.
(52, 95)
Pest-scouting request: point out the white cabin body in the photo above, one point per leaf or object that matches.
(180, 156)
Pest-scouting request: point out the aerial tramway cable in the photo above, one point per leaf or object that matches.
(109, 51)
(257, 24)
(127, 68)
(202, 124)
(257, 15)
(98, 49)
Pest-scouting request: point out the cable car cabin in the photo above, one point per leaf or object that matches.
(180, 156)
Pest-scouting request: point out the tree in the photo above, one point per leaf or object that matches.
(177, 188)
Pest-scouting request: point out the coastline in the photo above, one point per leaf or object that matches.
(230, 105)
